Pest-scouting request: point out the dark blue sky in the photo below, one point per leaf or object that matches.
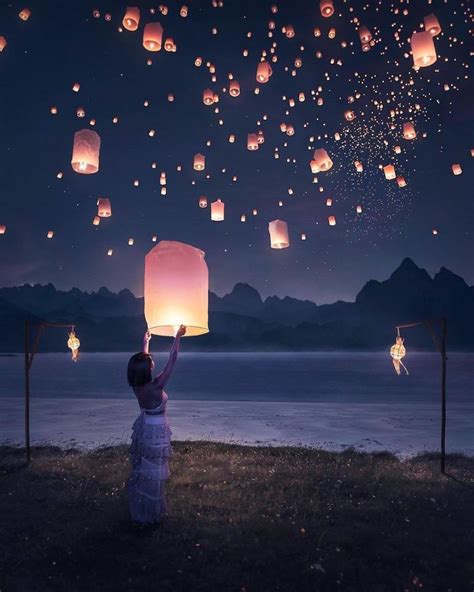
(62, 43)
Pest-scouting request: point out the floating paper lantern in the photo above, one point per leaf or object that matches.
(329, 201)
(260, 137)
(217, 211)
(234, 88)
(432, 25)
(252, 142)
(401, 181)
(322, 159)
(303, 236)
(85, 152)
(290, 130)
(264, 71)
(176, 289)
(423, 49)
(183, 11)
(152, 36)
(332, 220)
(3, 228)
(397, 352)
(203, 201)
(199, 162)
(25, 14)
(170, 44)
(96, 221)
(104, 207)
(332, 33)
(76, 87)
(434, 232)
(3, 42)
(50, 234)
(208, 97)
(409, 132)
(243, 218)
(349, 115)
(279, 238)
(397, 149)
(456, 168)
(326, 7)
(131, 241)
(73, 344)
(110, 252)
(359, 166)
(359, 209)
(365, 35)
(289, 31)
(80, 112)
(389, 171)
(131, 18)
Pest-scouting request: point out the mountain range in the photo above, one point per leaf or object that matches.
(242, 320)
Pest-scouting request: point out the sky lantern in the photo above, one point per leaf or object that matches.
(359, 166)
(199, 162)
(183, 12)
(104, 207)
(264, 71)
(329, 202)
(359, 209)
(217, 211)
(349, 115)
(234, 88)
(203, 201)
(131, 18)
(3, 228)
(278, 230)
(243, 218)
(110, 252)
(73, 344)
(80, 112)
(397, 149)
(322, 159)
(152, 36)
(332, 220)
(397, 352)
(3, 42)
(252, 142)
(389, 171)
(290, 130)
(208, 97)
(85, 152)
(25, 14)
(96, 221)
(176, 289)
(432, 25)
(131, 242)
(456, 168)
(76, 87)
(50, 234)
(289, 31)
(327, 8)
(423, 49)
(365, 35)
(409, 132)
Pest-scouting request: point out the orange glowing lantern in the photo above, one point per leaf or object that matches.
(365, 35)
(252, 142)
(217, 211)
(332, 220)
(456, 168)
(264, 71)
(329, 202)
(25, 14)
(3, 228)
(326, 7)
(389, 171)
(96, 221)
(359, 166)
(3, 42)
(176, 289)
(398, 352)
(50, 234)
(409, 132)
(423, 49)
(208, 97)
(152, 36)
(73, 344)
(104, 207)
(234, 88)
(85, 152)
(76, 87)
(349, 115)
(203, 201)
(199, 162)
(131, 19)
(401, 181)
(432, 25)
(322, 159)
(278, 230)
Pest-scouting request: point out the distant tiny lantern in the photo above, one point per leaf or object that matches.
(264, 71)
(423, 49)
(3, 228)
(96, 221)
(432, 25)
(326, 7)
(86, 151)
(217, 211)
(359, 209)
(176, 289)
(152, 36)
(76, 87)
(199, 162)
(183, 11)
(329, 202)
(50, 234)
(208, 97)
(278, 230)
(203, 202)
(409, 132)
(456, 168)
(234, 88)
(243, 218)
(349, 115)
(252, 142)
(25, 14)
(130, 242)
(104, 207)
(73, 344)
(389, 171)
(332, 220)
(397, 352)
(110, 252)
(3, 42)
(131, 19)
(303, 236)
(80, 112)
(401, 181)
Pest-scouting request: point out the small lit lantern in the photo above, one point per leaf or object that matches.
(349, 115)
(3, 42)
(456, 168)
(96, 221)
(264, 71)
(326, 7)
(208, 97)
(76, 87)
(131, 18)
(234, 88)
(389, 171)
(329, 202)
(50, 234)
(365, 35)
(25, 14)
(359, 166)
(199, 163)
(73, 344)
(243, 218)
(423, 49)
(3, 228)
(152, 36)
(332, 33)
(409, 132)
(110, 252)
(401, 181)
(80, 112)
(203, 201)
(252, 142)
(289, 31)
(359, 209)
(397, 352)
(86, 151)
(397, 149)
(332, 220)
(154, 238)
(322, 159)
(260, 137)
(432, 25)
(290, 130)
(104, 207)
(217, 211)
(279, 238)
(183, 11)
(130, 242)
(176, 289)
(303, 236)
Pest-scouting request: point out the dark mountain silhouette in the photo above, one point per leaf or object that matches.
(242, 320)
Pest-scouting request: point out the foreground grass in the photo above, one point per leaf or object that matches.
(240, 519)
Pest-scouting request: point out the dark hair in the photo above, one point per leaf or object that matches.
(139, 369)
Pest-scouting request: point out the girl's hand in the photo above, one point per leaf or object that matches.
(147, 337)
(181, 331)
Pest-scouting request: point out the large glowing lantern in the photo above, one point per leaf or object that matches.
(217, 211)
(409, 132)
(104, 207)
(152, 36)
(85, 152)
(326, 7)
(432, 25)
(176, 289)
(199, 163)
(208, 97)
(389, 172)
(365, 35)
(264, 71)
(131, 18)
(322, 160)
(332, 220)
(279, 238)
(423, 49)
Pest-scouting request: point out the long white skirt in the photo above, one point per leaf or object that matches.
(149, 454)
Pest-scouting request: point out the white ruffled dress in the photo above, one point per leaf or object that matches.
(149, 454)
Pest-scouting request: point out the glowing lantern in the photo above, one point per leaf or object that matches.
(260, 137)
(80, 112)
(303, 236)
(154, 238)
(434, 232)
(397, 149)
(365, 35)
(203, 201)
(359, 209)
(289, 31)
(243, 218)
(104, 208)
(131, 18)
(329, 201)
(110, 252)
(183, 11)
(401, 181)
(252, 142)
(3, 228)
(397, 352)
(264, 71)
(456, 168)
(423, 49)
(321, 157)
(217, 211)
(170, 44)
(349, 115)
(152, 36)
(96, 221)
(332, 220)
(3, 42)
(359, 166)
(290, 130)
(314, 167)
(234, 88)
(279, 238)
(332, 33)
(73, 344)
(409, 132)
(131, 241)
(50, 234)
(85, 152)
(432, 25)
(389, 172)
(25, 14)
(326, 7)
(76, 87)
(199, 162)
(208, 97)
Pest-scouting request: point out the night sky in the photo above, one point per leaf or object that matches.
(63, 43)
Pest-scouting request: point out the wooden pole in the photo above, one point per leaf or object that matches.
(27, 391)
(443, 396)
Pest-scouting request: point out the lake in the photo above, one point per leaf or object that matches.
(305, 377)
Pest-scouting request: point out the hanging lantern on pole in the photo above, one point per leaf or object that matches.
(73, 344)
(398, 351)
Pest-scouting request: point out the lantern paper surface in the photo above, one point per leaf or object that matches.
(152, 36)
(423, 49)
(176, 289)
(85, 152)
(279, 238)
(104, 207)
(217, 211)
(131, 18)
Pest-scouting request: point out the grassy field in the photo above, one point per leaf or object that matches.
(241, 519)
